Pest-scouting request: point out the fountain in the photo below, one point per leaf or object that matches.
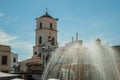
(77, 62)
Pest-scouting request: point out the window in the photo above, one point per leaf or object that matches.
(47, 58)
(40, 25)
(35, 53)
(14, 59)
(49, 38)
(4, 60)
(40, 40)
(51, 28)
(39, 55)
(53, 41)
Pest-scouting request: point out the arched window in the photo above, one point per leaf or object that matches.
(47, 58)
(51, 27)
(35, 53)
(49, 38)
(53, 41)
(40, 40)
(40, 25)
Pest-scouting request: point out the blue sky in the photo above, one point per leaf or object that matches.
(90, 18)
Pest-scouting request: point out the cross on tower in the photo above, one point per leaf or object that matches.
(46, 9)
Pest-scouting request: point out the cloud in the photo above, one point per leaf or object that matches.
(1, 14)
(23, 48)
(10, 19)
(6, 38)
(7, 19)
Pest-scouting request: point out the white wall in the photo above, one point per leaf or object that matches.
(12, 62)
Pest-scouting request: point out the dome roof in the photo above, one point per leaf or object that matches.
(98, 39)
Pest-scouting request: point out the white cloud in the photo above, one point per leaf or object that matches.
(23, 48)
(6, 38)
(2, 14)
(10, 19)
(7, 19)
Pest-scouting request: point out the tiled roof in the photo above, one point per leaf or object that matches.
(47, 15)
(34, 59)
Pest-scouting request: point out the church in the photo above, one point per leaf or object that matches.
(45, 37)
(45, 43)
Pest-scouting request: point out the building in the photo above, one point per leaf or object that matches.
(45, 43)
(13, 62)
(45, 37)
(25, 63)
(5, 52)
(8, 60)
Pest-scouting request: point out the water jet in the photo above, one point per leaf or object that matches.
(75, 61)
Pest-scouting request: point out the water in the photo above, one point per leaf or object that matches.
(77, 62)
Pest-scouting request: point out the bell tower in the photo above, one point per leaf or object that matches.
(45, 36)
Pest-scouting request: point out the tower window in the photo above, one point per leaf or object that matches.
(53, 41)
(40, 25)
(39, 55)
(40, 40)
(35, 53)
(49, 38)
(51, 27)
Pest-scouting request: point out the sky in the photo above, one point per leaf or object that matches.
(92, 19)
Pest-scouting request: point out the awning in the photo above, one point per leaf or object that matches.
(17, 79)
(6, 75)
